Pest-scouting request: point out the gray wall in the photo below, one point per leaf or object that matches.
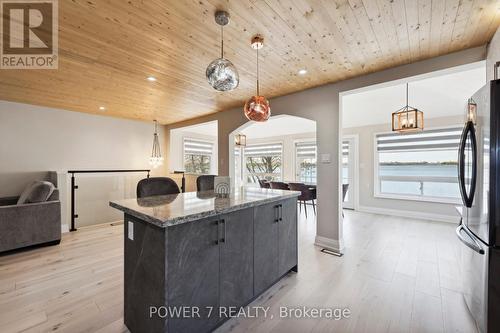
(321, 104)
(36, 139)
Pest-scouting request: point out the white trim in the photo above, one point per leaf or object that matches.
(64, 228)
(329, 244)
(231, 159)
(355, 187)
(410, 214)
(443, 200)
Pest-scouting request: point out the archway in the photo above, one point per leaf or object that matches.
(281, 149)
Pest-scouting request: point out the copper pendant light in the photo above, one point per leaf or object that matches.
(257, 107)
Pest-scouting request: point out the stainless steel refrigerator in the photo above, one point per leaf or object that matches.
(479, 229)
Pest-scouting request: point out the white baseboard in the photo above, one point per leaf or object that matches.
(329, 243)
(410, 214)
(64, 228)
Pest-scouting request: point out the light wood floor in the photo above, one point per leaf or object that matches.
(396, 276)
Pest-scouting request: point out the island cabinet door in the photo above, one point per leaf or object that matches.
(236, 264)
(193, 276)
(265, 246)
(287, 238)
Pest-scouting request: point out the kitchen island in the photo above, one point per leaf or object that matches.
(191, 258)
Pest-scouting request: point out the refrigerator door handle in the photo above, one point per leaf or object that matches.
(467, 198)
(475, 245)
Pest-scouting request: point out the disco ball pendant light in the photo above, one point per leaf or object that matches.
(221, 73)
(257, 107)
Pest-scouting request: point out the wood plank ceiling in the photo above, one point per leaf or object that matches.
(109, 47)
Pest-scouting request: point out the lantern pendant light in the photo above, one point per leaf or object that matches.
(407, 118)
(257, 108)
(221, 73)
(240, 140)
(156, 160)
(471, 111)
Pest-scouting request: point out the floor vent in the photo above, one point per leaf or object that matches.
(332, 253)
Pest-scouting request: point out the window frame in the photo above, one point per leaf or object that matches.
(295, 160)
(244, 159)
(212, 165)
(376, 181)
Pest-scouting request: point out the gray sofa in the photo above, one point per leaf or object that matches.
(30, 224)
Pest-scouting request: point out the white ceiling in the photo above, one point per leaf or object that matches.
(279, 126)
(439, 96)
(206, 129)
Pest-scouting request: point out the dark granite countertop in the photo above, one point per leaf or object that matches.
(169, 210)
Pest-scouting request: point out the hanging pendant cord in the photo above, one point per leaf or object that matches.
(407, 94)
(257, 71)
(222, 41)
(407, 106)
(153, 148)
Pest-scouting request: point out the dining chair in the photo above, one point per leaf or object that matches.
(264, 183)
(153, 186)
(279, 186)
(307, 194)
(345, 187)
(314, 190)
(205, 183)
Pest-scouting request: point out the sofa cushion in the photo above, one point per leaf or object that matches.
(39, 191)
(24, 195)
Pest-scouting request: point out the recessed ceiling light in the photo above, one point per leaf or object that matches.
(151, 79)
(102, 108)
(302, 72)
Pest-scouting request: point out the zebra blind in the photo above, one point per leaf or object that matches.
(437, 139)
(274, 149)
(197, 147)
(306, 149)
(345, 148)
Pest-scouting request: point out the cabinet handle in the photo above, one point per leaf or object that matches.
(277, 213)
(223, 239)
(281, 212)
(217, 225)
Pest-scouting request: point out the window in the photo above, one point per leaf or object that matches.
(198, 156)
(305, 157)
(263, 161)
(345, 162)
(418, 165)
(238, 166)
